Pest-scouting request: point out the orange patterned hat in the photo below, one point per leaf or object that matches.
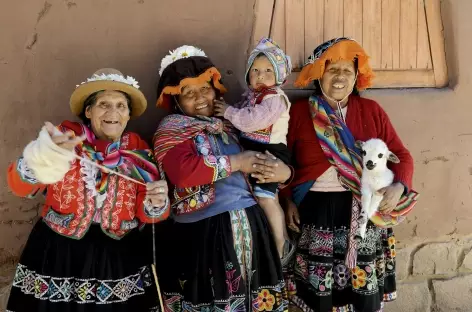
(335, 50)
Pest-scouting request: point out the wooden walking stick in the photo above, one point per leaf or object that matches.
(153, 266)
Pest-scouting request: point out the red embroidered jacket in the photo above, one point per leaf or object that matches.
(70, 207)
(192, 169)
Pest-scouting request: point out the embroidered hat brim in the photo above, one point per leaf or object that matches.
(83, 91)
(335, 50)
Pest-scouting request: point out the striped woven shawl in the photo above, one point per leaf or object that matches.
(340, 149)
(175, 129)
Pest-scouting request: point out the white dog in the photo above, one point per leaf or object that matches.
(375, 176)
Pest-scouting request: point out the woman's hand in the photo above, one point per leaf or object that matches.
(270, 169)
(157, 193)
(391, 197)
(66, 140)
(220, 107)
(264, 167)
(292, 218)
(244, 162)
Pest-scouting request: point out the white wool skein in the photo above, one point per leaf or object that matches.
(48, 161)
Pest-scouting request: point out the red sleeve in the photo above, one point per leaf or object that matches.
(146, 215)
(309, 159)
(292, 134)
(149, 214)
(71, 125)
(140, 209)
(186, 168)
(403, 171)
(21, 180)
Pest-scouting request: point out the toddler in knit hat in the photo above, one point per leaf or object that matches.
(262, 117)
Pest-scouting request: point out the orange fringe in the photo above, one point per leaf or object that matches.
(211, 74)
(343, 50)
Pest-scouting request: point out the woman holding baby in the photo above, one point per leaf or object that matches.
(333, 271)
(221, 255)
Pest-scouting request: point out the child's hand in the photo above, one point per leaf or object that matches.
(220, 107)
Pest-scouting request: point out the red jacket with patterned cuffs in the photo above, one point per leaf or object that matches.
(70, 207)
(192, 170)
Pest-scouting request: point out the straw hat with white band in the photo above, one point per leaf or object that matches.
(108, 79)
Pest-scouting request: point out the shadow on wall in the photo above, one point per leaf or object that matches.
(450, 28)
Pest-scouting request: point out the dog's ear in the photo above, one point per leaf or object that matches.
(393, 158)
(359, 144)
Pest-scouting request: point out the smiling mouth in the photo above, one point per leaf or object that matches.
(110, 122)
(202, 106)
(338, 86)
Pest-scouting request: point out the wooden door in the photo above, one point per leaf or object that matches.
(404, 38)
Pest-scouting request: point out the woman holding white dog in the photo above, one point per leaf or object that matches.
(333, 271)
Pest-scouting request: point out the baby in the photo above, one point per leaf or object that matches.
(263, 118)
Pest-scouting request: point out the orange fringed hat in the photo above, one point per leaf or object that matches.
(334, 50)
(183, 66)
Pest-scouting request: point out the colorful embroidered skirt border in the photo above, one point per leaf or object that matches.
(226, 263)
(96, 273)
(318, 280)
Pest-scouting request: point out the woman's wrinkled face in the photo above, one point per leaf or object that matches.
(109, 115)
(338, 79)
(261, 73)
(197, 99)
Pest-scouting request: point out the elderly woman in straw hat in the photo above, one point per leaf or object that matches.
(333, 270)
(86, 252)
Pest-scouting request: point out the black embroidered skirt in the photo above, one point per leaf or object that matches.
(96, 273)
(319, 281)
(227, 262)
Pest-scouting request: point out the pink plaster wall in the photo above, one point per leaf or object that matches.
(436, 126)
(46, 48)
